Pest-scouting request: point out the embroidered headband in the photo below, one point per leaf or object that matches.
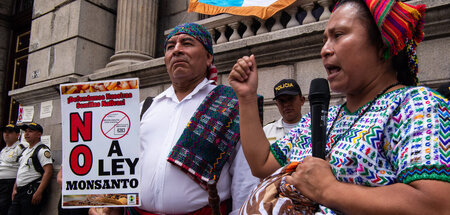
(196, 31)
(401, 26)
(203, 36)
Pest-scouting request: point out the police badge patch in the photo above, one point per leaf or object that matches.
(47, 154)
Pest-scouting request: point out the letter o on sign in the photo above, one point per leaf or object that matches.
(75, 157)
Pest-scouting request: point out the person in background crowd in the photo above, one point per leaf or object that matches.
(289, 101)
(61, 211)
(192, 120)
(34, 174)
(387, 148)
(9, 163)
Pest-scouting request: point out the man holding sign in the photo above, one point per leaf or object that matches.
(193, 120)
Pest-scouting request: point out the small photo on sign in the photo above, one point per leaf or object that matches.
(100, 200)
(99, 87)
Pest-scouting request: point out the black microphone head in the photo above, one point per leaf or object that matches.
(319, 91)
(319, 99)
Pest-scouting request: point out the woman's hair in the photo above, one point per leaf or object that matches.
(400, 61)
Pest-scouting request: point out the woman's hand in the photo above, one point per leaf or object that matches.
(312, 178)
(243, 77)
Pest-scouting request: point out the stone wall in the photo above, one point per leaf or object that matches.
(70, 38)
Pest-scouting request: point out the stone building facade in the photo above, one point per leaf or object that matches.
(47, 43)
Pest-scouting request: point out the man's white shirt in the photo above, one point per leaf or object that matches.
(9, 160)
(27, 173)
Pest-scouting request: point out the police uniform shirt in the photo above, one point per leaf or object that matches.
(27, 173)
(276, 130)
(8, 161)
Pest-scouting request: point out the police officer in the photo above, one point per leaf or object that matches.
(9, 163)
(289, 100)
(34, 174)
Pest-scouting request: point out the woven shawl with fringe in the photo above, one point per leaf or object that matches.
(210, 137)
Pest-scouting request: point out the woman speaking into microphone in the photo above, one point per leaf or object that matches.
(387, 148)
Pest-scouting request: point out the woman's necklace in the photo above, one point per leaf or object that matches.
(357, 119)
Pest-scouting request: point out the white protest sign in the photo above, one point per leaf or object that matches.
(100, 142)
(46, 139)
(46, 109)
(26, 114)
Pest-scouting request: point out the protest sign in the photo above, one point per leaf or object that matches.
(25, 114)
(100, 142)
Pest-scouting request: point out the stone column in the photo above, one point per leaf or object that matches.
(135, 31)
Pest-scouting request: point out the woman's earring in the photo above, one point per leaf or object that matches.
(386, 54)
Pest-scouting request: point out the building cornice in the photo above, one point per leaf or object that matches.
(41, 91)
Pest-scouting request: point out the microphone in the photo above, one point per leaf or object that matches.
(319, 99)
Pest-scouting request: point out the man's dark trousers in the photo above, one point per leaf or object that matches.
(21, 204)
(6, 188)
